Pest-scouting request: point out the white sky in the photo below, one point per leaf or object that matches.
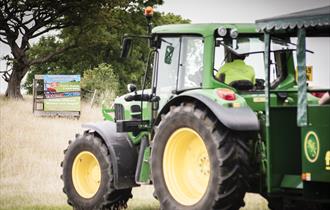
(204, 11)
(208, 11)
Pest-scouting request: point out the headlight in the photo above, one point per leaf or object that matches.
(222, 31)
(233, 33)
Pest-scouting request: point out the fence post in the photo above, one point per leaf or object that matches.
(93, 98)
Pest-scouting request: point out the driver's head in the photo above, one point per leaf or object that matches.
(231, 56)
(237, 56)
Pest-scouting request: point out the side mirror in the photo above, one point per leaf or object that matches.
(126, 47)
(131, 88)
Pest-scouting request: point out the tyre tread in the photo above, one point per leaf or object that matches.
(113, 199)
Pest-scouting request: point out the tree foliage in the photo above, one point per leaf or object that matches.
(23, 20)
(102, 44)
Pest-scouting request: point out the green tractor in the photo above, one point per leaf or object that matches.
(203, 142)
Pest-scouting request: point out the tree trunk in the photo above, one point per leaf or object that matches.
(14, 83)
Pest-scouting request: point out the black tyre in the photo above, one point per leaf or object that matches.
(87, 176)
(197, 163)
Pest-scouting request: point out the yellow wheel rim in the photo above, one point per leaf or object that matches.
(86, 174)
(186, 166)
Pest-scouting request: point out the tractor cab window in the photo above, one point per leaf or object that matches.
(250, 51)
(180, 64)
(191, 63)
(168, 64)
(246, 52)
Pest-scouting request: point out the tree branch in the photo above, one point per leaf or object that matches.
(50, 55)
(46, 30)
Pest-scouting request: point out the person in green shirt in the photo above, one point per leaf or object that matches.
(235, 69)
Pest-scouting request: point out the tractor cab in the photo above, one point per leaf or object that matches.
(186, 59)
(189, 56)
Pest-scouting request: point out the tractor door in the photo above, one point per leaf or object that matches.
(180, 65)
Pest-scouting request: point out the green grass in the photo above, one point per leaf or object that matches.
(140, 207)
(135, 204)
(39, 208)
(253, 202)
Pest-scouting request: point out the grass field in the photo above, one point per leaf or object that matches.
(31, 149)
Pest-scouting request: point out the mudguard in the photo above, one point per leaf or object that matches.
(123, 153)
(239, 119)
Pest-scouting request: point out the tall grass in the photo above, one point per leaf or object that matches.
(31, 149)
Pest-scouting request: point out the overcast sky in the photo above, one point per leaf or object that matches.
(204, 11)
(208, 11)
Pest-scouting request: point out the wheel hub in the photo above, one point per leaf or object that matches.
(86, 174)
(186, 166)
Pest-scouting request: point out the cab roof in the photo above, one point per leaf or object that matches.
(204, 29)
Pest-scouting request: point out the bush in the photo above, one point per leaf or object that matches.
(103, 80)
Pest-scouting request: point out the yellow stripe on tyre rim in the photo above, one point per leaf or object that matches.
(186, 166)
(86, 174)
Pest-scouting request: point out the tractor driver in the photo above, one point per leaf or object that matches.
(235, 69)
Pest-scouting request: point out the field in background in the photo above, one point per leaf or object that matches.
(31, 149)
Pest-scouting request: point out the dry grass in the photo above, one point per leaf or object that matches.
(31, 149)
(31, 152)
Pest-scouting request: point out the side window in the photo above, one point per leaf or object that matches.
(168, 64)
(191, 63)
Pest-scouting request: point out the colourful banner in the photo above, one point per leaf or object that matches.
(61, 83)
(62, 92)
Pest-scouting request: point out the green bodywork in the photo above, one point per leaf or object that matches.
(297, 137)
(145, 170)
(280, 140)
(316, 143)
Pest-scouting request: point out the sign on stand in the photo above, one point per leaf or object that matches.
(56, 95)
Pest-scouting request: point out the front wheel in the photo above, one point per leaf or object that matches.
(197, 163)
(87, 176)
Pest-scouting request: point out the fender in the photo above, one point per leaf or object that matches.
(123, 153)
(239, 119)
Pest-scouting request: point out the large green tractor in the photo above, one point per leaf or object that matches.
(202, 142)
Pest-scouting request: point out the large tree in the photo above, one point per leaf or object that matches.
(102, 45)
(23, 20)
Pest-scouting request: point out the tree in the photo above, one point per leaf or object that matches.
(102, 45)
(23, 20)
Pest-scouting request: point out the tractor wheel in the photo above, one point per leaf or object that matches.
(197, 163)
(87, 176)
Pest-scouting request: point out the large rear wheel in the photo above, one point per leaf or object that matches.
(197, 163)
(87, 176)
